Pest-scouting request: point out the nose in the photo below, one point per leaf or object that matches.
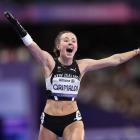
(70, 44)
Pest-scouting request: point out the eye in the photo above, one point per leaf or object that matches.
(74, 41)
(66, 40)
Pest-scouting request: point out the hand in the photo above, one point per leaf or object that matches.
(10, 17)
(15, 23)
(137, 51)
(26, 38)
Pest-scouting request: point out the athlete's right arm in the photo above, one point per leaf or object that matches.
(42, 56)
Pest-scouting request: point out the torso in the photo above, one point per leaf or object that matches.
(59, 108)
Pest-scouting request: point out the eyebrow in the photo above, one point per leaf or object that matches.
(68, 38)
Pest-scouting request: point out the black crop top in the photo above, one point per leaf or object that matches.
(64, 82)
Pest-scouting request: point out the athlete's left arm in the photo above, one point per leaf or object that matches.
(114, 60)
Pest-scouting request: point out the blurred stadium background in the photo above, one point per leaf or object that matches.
(109, 99)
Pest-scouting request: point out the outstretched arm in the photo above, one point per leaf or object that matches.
(116, 59)
(42, 56)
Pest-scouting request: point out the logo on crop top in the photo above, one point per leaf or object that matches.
(65, 75)
(78, 116)
(73, 69)
(42, 118)
(58, 69)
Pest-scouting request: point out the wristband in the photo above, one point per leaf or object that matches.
(27, 40)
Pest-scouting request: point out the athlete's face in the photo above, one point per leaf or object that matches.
(67, 45)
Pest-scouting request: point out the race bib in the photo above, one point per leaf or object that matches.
(64, 85)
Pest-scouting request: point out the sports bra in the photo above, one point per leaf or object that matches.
(64, 82)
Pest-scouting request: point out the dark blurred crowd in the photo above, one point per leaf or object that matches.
(114, 89)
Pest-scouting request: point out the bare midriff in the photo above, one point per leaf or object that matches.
(60, 108)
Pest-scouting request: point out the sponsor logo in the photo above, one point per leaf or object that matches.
(78, 116)
(73, 69)
(42, 118)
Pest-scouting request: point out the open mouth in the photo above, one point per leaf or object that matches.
(69, 50)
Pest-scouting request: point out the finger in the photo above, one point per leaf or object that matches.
(9, 16)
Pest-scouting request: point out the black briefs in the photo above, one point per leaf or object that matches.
(57, 124)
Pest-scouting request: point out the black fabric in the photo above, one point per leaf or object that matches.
(57, 124)
(65, 69)
(72, 69)
(15, 23)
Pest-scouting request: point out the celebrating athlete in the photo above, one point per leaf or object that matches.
(61, 116)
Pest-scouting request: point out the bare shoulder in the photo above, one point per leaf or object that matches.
(83, 64)
(85, 61)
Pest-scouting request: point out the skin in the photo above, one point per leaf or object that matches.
(75, 130)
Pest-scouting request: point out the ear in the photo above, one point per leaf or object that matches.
(58, 47)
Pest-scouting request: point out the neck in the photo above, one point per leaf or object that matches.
(65, 61)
